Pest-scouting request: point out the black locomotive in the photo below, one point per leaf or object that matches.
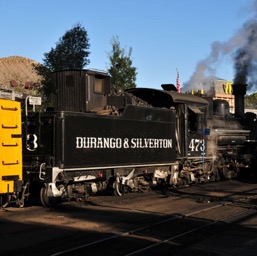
(99, 137)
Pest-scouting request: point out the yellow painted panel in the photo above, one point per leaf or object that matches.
(10, 144)
(6, 187)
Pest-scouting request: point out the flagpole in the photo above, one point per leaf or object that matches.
(178, 82)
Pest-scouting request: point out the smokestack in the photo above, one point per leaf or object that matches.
(239, 90)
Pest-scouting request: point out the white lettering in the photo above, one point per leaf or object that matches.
(79, 143)
(113, 143)
(133, 143)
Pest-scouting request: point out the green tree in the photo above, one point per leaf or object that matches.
(120, 66)
(70, 52)
(251, 100)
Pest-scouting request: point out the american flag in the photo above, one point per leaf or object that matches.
(178, 82)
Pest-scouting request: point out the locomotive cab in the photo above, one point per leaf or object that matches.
(191, 122)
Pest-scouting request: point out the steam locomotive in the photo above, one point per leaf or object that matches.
(99, 137)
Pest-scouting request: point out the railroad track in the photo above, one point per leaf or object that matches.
(172, 233)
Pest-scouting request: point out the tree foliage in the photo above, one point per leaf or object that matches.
(120, 68)
(70, 52)
(251, 100)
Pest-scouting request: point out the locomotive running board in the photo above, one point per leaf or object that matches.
(113, 167)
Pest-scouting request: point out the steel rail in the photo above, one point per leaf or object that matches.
(230, 218)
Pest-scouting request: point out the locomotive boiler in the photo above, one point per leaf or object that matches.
(99, 137)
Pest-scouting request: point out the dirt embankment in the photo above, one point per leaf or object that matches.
(18, 73)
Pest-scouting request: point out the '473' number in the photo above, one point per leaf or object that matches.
(197, 145)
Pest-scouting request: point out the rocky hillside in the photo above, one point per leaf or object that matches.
(17, 73)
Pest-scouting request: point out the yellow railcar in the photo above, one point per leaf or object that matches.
(10, 152)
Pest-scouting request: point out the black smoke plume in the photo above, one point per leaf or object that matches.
(246, 57)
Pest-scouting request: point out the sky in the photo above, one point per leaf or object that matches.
(165, 35)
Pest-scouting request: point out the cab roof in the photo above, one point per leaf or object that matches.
(164, 98)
